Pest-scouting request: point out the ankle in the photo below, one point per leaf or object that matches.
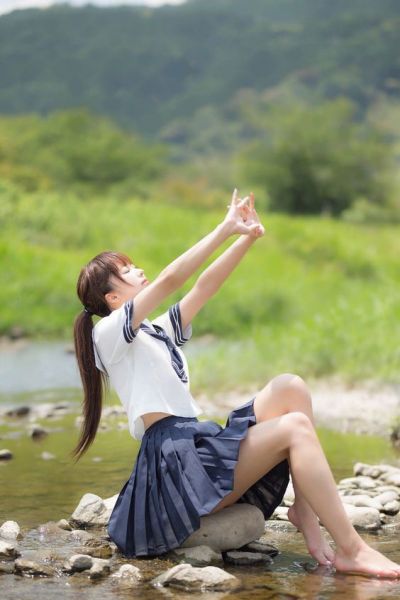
(351, 547)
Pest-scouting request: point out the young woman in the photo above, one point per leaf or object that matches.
(188, 468)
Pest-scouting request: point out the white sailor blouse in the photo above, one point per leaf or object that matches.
(146, 366)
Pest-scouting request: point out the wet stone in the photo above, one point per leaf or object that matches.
(261, 547)
(97, 548)
(99, 568)
(184, 576)
(7, 566)
(31, 568)
(127, 575)
(64, 524)
(246, 558)
(8, 550)
(198, 555)
(77, 563)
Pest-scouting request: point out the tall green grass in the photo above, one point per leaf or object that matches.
(315, 296)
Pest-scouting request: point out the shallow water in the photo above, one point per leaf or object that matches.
(34, 491)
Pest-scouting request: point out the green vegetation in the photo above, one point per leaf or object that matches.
(314, 295)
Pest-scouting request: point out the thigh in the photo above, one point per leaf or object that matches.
(266, 445)
(285, 393)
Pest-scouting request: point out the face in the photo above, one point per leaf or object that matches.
(134, 281)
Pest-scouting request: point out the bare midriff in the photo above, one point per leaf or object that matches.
(150, 418)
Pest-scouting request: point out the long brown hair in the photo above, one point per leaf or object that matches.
(94, 282)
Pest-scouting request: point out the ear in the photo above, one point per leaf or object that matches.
(112, 298)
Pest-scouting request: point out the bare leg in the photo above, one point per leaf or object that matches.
(293, 436)
(287, 393)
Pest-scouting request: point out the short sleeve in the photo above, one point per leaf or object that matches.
(114, 333)
(171, 322)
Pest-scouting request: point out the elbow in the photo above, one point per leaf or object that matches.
(170, 280)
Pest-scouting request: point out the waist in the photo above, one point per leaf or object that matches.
(151, 418)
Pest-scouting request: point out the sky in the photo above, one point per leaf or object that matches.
(7, 6)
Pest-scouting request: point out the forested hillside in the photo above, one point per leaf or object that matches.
(148, 67)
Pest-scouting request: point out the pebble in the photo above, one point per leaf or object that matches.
(8, 550)
(10, 530)
(246, 558)
(32, 568)
(6, 454)
(184, 576)
(127, 574)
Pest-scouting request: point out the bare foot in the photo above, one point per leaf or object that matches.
(366, 561)
(307, 522)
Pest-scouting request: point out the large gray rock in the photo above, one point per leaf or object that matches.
(229, 528)
(10, 530)
(184, 576)
(363, 518)
(362, 500)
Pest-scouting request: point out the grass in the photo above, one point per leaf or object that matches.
(314, 296)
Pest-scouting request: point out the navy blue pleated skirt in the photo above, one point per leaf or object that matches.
(183, 469)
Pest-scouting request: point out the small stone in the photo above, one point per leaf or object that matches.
(6, 454)
(8, 550)
(198, 555)
(246, 558)
(81, 535)
(64, 524)
(184, 576)
(91, 511)
(37, 432)
(47, 456)
(32, 568)
(100, 568)
(391, 508)
(261, 547)
(10, 530)
(392, 479)
(387, 496)
(127, 574)
(18, 411)
(362, 500)
(97, 548)
(275, 525)
(77, 563)
(363, 518)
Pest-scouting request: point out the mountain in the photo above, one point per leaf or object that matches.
(147, 67)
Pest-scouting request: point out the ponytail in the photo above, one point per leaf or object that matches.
(93, 380)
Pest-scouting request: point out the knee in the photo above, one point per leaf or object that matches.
(292, 386)
(297, 425)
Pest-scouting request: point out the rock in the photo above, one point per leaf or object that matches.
(362, 500)
(8, 551)
(128, 575)
(91, 511)
(7, 567)
(363, 518)
(246, 558)
(47, 456)
(81, 535)
(362, 482)
(261, 547)
(64, 524)
(229, 528)
(77, 563)
(288, 498)
(281, 513)
(109, 503)
(37, 432)
(387, 496)
(391, 508)
(32, 568)
(18, 411)
(184, 576)
(392, 478)
(373, 470)
(10, 530)
(198, 555)
(100, 568)
(6, 454)
(97, 548)
(285, 526)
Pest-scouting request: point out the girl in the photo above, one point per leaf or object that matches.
(187, 468)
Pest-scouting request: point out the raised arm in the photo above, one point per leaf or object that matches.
(214, 276)
(178, 271)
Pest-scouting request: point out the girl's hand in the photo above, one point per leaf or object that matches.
(242, 217)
